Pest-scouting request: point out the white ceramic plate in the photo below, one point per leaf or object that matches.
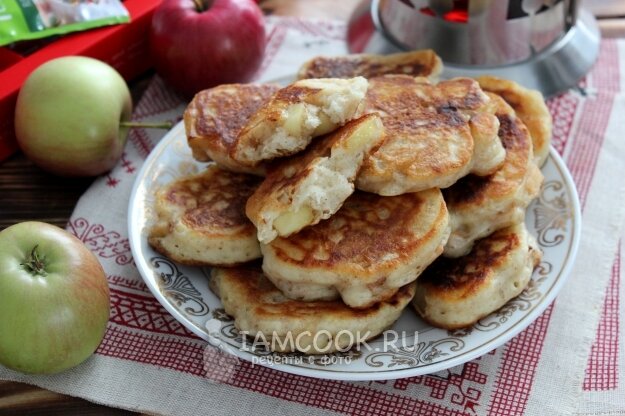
(554, 218)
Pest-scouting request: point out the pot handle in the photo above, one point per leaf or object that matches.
(571, 13)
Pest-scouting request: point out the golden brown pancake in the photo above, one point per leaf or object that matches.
(530, 107)
(479, 206)
(312, 185)
(295, 115)
(365, 252)
(435, 134)
(258, 307)
(215, 117)
(201, 219)
(455, 293)
(423, 63)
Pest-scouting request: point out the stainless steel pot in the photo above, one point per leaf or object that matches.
(544, 44)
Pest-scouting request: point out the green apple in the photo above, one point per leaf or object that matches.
(68, 115)
(54, 299)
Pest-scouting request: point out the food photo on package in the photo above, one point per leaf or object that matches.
(34, 19)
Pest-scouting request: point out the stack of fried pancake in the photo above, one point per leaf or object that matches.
(364, 186)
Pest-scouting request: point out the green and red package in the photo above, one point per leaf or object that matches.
(34, 19)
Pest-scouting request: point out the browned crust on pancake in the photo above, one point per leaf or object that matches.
(463, 94)
(417, 63)
(211, 203)
(474, 190)
(210, 136)
(470, 281)
(529, 106)
(427, 129)
(369, 227)
(267, 301)
(460, 277)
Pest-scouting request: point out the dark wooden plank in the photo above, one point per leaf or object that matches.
(28, 193)
(23, 399)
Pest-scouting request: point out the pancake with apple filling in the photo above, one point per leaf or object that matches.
(364, 253)
(295, 115)
(456, 293)
(530, 107)
(435, 134)
(201, 219)
(423, 63)
(263, 312)
(479, 206)
(215, 117)
(312, 186)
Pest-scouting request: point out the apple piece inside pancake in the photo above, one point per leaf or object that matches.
(304, 189)
(295, 115)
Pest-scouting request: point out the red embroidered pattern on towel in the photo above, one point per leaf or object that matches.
(107, 244)
(602, 370)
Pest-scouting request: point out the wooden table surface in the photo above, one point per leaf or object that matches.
(28, 193)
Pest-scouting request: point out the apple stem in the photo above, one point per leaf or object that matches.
(147, 125)
(34, 263)
(202, 5)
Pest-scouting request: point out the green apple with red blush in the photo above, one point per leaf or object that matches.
(68, 115)
(73, 115)
(54, 299)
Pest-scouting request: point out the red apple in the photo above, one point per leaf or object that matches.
(197, 44)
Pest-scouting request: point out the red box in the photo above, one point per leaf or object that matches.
(124, 46)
